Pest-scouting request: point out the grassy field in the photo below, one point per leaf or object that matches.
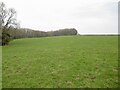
(61, 62)
(0, 67)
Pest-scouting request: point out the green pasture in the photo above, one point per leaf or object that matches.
(61, 62)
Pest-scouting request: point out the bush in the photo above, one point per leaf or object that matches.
(6, 38)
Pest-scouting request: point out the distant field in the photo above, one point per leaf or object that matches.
(61, 62)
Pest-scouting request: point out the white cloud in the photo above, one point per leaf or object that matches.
(87, 16)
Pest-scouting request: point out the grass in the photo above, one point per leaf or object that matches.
(0, 67)
(61, 62)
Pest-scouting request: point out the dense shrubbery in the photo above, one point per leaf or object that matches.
(6, 38)
(61, 32)
(0, 37)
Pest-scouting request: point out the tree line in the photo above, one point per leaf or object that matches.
(29, 33)
(10, 28)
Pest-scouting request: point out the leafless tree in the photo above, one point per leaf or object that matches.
(7, 21)
(7, 17)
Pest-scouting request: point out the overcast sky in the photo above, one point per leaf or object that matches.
(87, 16)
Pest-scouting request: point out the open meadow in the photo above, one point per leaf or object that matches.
(61, 62)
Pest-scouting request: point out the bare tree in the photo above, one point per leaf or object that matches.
(7, 21)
